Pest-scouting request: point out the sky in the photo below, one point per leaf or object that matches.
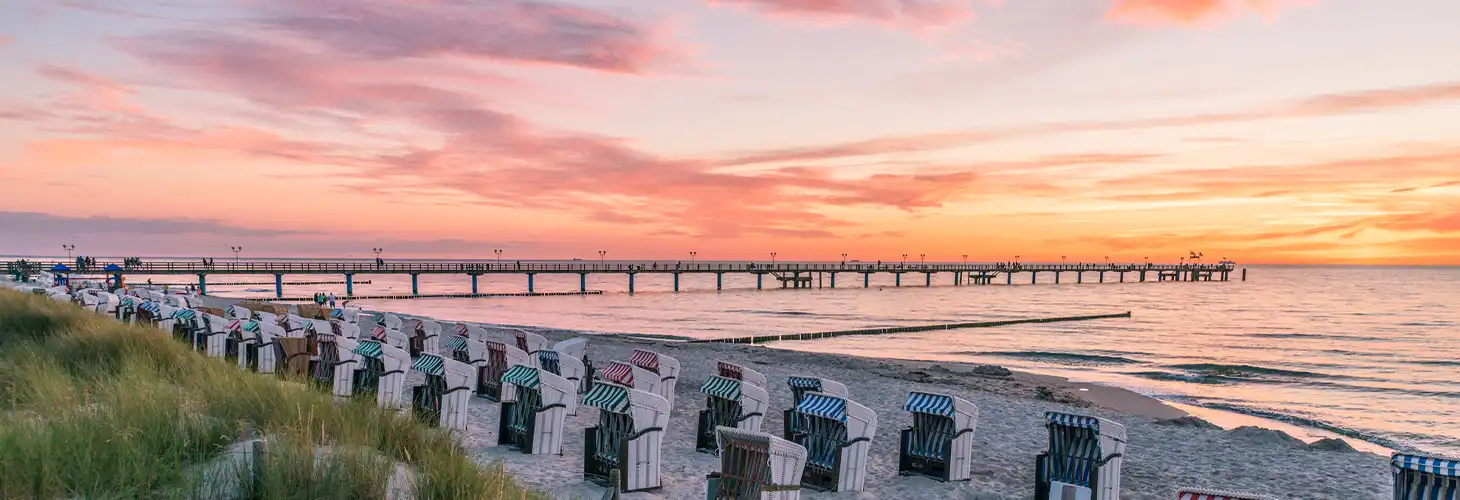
(1263, 131)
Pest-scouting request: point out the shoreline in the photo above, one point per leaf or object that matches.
(1168, 448)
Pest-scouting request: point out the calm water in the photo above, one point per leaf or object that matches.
(1371, 353)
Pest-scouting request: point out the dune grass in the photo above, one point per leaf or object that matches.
(96, 409)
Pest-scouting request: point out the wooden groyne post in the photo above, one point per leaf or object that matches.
(760, 339)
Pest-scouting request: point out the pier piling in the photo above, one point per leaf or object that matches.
(530, 288)
(582, 282)
(719, 281)
(278, 285)
(202, 284)
(473, 283)
(631, 283)
(676, 282)
(350, 285)
(415, 284)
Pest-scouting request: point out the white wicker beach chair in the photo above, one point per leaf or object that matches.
(565, 366)
(499, 358)
(345, 368)
(532, 421)
(837, 433)
(1201, 494)
(238, 312)
(729, 403)
(1420, 477)
(756, 466)
(628, 438)
(801, 385)
(1084, 458)
(382, 372)
(741, 373)
(215, 341)
(530, 342)
(940, 442)
(665, 368)
(442, 399)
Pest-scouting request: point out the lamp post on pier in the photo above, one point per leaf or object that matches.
(498, 251)
(69, 248)
(904, 260)
(1064, 259)
(237, 249)
(773, 258)
(692, 255)
(601, 253)
(844, 259)
(965, 259)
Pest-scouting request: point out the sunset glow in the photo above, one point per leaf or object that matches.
(1266, 131)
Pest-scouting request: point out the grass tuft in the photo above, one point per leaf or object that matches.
(93, 408)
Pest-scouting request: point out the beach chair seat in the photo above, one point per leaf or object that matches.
(346, 367)
(215, 340)
(729, 403)
(664, 368)
(382, 372)
(568, 367)
(837, 434)
(741, 373)
(800, 385)
(442, 399)
(268, 351)
(1084, 458)
(500, 357)
(940, 442)
(127, 309)
(242, 343)
(532, 421)
(1420, 477)
(628, 438)
(1201, 494)
(326, 359)
(756, 466)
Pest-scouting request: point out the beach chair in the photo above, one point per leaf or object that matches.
(238, 312)
(530, 342)
(729, 403)
(215, 342)
(345, 368)
(241, 344)
(272, 351)
(393, 338)
(1200, 494)
(741, 373)
(178, 301)
(415, 332)
(148, 313)
(127, 309)
(1419, 477)
(188, 326)
(260, 353)
(1084, 458)
(345, 329)
(563, 365)
(756, 466)
(106, 303)
(940, 442)
(837, 433)
(430, 336)
(802, 385)
(346, 314)
(391, 321)
(628, 375)
(628, 438)
(532, 421)
(500, 358)
(665, 368)
(442, 400)
(577, 348)
(382, 372)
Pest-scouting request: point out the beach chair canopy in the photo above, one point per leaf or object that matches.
(369, 349)
(721, 387)
(824, 406)
(932, 404)
(430, 364)
(647, 360)
(608, 397)
(741, 373)
(754, 463)
(522, 376)
(618, 372)
(1419, 477)
(1201, 494)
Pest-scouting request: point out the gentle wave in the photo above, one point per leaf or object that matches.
(1184, 377)
(1245, 371)
(1372, 437)
(1433, 362)
(1059, 357)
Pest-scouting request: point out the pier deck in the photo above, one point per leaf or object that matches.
(798, 275)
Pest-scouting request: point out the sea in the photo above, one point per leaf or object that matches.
(1371, 354)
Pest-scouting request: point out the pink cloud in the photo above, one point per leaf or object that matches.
(1190, 12)
(519, 31)
(905, 13)
(5, 39)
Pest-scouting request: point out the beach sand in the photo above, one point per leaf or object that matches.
(1010, 432)
(1159, 459)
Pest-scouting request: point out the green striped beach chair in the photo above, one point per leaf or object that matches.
(756, 466)
(442, 400)
(1419, 477)
(729, 403)
(940, 442)
(382, 372)
(1083, 460)
(532, 421)
(1201, 494)
(628, 438)
(837, 434)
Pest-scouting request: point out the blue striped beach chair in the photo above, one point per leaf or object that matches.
(442, 399)
(837, 434)
(532, 421)
(628, 438)
(756, 466)
(1084, 458)
(1419, 477)
(566, 366)
(1201, 494)
(940, 442)
(801, 385)
(729, 403)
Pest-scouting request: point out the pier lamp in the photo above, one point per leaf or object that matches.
(773, 258)
(1016, 259)
(692, 255)
(844, 259)
(1148, 261)
(1064, 259)
(601, 253)
(69, 249)
(499, 256)
(922, 259)
(965, 259)
(235, 250)
(904, 259)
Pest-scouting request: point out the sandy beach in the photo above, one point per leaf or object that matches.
(1162, 455)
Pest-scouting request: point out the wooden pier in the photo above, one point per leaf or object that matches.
(790, 275)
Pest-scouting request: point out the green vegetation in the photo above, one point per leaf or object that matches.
(96, 409)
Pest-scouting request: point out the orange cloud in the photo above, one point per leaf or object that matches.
(1191, 12)
(5, 39)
